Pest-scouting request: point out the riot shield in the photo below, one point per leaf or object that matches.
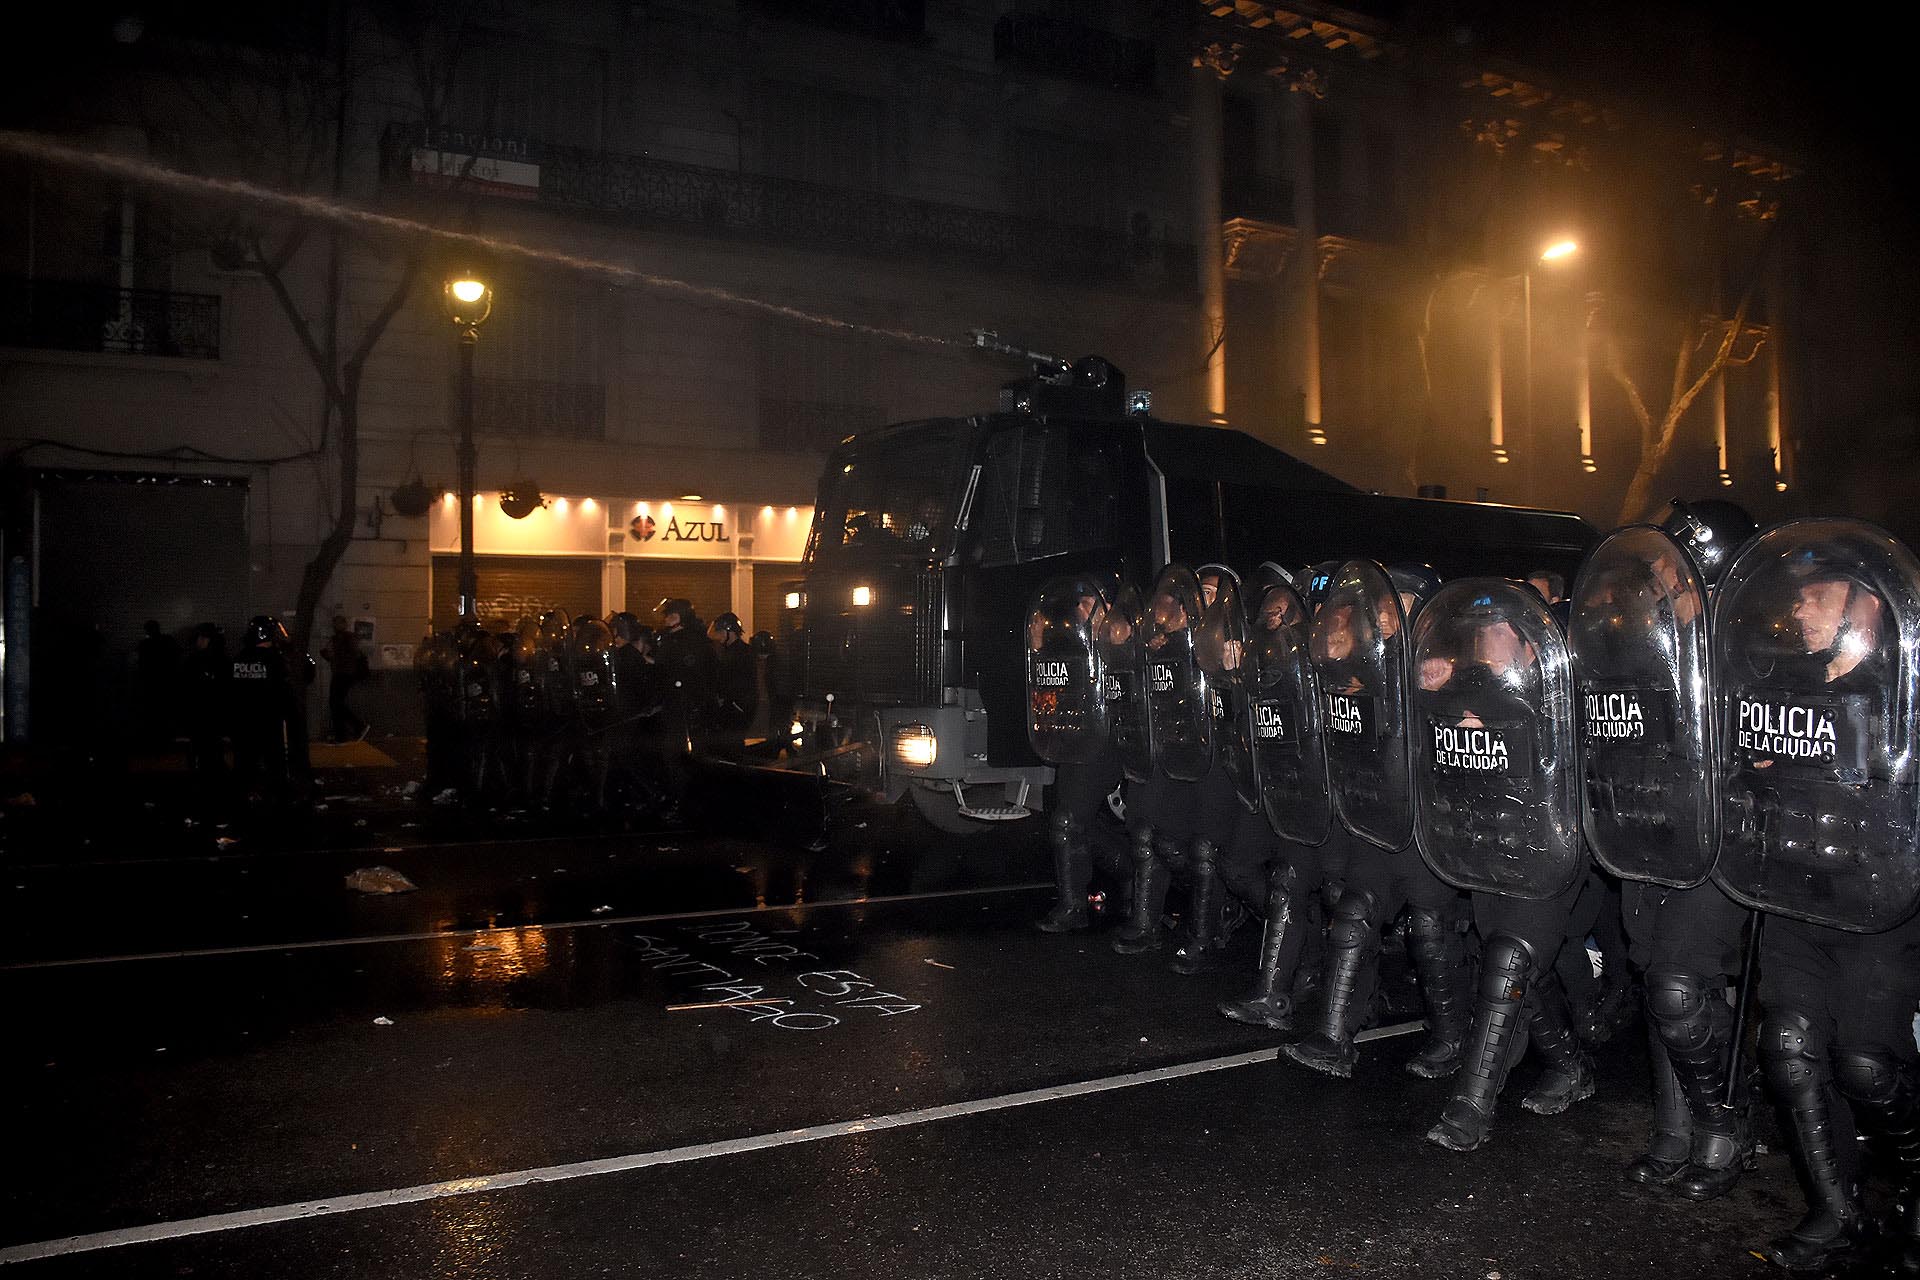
(595, 687)
(1638, 636)
(528, 705)
(1496, 799)
(1125, 692)
(1226, 658)
(1181, 724)
(1359, 662)
(1816, 657)
(1066, 671)
(1288, 752)
(552, 675)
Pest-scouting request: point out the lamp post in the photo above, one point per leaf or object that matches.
(469, 301)
(1558, 252)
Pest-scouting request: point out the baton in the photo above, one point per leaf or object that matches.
(1740, 1006)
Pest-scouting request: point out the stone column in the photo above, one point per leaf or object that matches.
(1209, 68)
(1301, 285)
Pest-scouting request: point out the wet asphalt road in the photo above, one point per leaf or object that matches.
(527, 1009)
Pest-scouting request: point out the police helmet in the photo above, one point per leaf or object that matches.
(262, 629)
(728, 621)
(1417, 580)
(1711, 530)
(762, 644)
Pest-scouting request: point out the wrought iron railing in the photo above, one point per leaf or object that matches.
(68, 315)
(727, 202)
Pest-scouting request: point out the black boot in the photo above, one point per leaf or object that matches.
(1696, 1028)
(1352, 945)
(1836, 1225)
(1672, 1141)
(1199, 952)
(1072, 871)
(1495, 1040)
(1440, 960)
(1142, 930)
(1268, 1005)
(1569, 1075)
(1885, 1093)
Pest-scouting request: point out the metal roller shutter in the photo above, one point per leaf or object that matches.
(708, 583)
(516, 586)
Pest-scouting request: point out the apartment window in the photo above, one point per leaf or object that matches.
(1061, 179)
(817, 386)
(541, 367)
(526, 90)
(816, 135)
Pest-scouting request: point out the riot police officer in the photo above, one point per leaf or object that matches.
(1359, 658)
(478, 702)
(268, 726)
(736, 691)
(1069, 629)
(1639, 638)
(1816, 642)
(1497, 813)
(1274, 863)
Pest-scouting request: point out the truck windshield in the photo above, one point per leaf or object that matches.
(894, 496)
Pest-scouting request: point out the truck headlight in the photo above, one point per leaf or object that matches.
(793, 599)
(915, 746)
(863, 596)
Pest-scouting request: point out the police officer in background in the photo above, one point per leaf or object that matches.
(1273, 864)
(207, 675)
(687, 662)
(1816, 646)
(1359, 659)
(736, 692)
(269, 729)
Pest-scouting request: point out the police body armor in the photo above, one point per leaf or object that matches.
(1496, 798)
(552, 663)
(526, 701)
(1126, 683)
(1178, 708)
(1289, 754)
(476, 673)
(1816, 658)
(1360, 667)
(1067, 706)
(1226, 656)
(1638, 636)
(596, 689)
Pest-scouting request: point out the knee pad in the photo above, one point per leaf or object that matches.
(1283, 878)
(1352, 926)
(1061, 828)
(1203, 856)
(1506, 962)
(1141, 845)
(1428, 926)
(1680, 1007)
(1871, 1075)
(1790, 1050)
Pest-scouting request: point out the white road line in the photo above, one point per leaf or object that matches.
(591, 922)
(624, 1164)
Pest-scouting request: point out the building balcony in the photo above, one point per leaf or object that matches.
(67, 315)
(724, 202)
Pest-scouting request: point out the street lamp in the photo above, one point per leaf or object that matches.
(469, 301)
(1555, 253)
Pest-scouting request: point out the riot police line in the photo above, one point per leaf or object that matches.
(1713, 745)
(585, 716)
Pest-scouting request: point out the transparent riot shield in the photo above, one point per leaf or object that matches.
(1359, 664)
(1638, 636)
(1496, 795)
(1816, 656)
(552, 664)
(1125, 683)
(1226, 657)
(478, 674)
(1288, 752)
(595, 686)
(1067, 720)
(1180, 719)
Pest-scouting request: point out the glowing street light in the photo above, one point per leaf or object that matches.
(469, 301)
(1559, 251)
